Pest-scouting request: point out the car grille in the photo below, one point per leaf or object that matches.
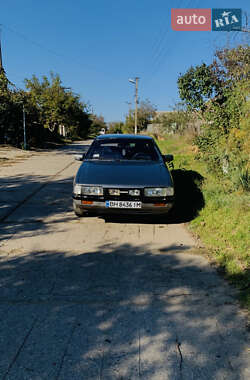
(122, 197)
(125, 196)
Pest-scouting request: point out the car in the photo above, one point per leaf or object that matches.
(102, 131)
(123, 174)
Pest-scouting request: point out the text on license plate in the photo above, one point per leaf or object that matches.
(123, 204)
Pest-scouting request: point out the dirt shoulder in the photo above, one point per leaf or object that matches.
(10, 155)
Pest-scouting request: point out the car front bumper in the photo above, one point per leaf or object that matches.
(100, 208)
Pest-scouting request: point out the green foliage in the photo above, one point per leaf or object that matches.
(197, 85)
(6, 106)
(145, 113)
(224, 141)
(116, 127)
(232, 63)
(58, 105)
(47, 105)
(223, 224)
(176, 121)
(96, 124)
(11, 113)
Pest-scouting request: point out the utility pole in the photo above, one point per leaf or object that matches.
(135, 82)
(136, 103)
(24, 130)
(1, 61)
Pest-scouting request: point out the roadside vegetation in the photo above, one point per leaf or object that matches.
(223, 223)
(210, 134)
(53, 113)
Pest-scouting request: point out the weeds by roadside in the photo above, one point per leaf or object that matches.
(223, 224)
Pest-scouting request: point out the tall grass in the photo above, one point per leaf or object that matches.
(223, 224)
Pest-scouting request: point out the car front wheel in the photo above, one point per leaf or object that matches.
(79, 212)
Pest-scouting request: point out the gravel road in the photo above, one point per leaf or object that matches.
(101, 299)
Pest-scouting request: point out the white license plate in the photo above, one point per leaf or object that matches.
(123, 204)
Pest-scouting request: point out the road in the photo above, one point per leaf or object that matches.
(96, 298)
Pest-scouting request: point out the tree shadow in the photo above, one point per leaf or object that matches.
(118, 312)
(33, 204)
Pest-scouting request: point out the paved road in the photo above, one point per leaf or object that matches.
(96, 298)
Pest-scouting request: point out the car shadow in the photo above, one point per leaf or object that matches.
(189, 201)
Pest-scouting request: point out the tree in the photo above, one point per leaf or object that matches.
(197, 86)
(115, 127)
(175, 121)
(232, 64)
(146, 112)
(221, 92)
(97, 123)
(58, 106)
(11, 111)
(5, 105)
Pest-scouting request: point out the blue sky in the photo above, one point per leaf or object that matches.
(96, 46)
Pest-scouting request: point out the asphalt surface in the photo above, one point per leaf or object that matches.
(96, 298)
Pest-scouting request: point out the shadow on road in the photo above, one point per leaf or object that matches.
(52, 199)
(76, 148)
(32, 204)
(119, 312)
(73, 148)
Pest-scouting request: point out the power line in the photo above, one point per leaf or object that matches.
(51, 51)
(163, 48)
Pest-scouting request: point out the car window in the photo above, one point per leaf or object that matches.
(123, 150)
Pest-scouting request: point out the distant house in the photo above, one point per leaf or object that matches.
(156, 126)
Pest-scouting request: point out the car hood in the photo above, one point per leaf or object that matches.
(126, 174)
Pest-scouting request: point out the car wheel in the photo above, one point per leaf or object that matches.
(80, 214)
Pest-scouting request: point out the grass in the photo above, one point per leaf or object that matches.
(223, 223)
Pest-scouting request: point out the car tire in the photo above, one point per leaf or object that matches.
(80, 214)
(78, 211)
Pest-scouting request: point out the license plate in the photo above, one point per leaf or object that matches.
(123, 204)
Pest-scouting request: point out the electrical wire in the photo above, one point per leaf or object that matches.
(166, 49)
(51, 51)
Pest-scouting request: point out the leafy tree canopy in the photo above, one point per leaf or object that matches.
(115, 127)
(198, 85)
(96, 124)
(146, 112)
(221, 92)
(57, 104)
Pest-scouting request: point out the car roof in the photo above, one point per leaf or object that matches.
(123, 136)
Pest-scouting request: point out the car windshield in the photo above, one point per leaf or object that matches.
(123, 149)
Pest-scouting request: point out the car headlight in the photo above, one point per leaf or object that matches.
(77, 189)
(159, 191)
(92, 190)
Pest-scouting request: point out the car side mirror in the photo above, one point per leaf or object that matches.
(79, 157)
(168, 157)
